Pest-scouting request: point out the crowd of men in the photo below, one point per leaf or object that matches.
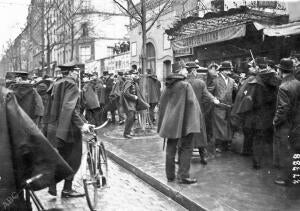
(193, 113)
(56, 112)
(262, 103)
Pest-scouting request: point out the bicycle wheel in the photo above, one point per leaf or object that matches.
(90, 183)
(102, 165)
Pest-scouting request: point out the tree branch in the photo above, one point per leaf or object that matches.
(126, 11)
(168, 3)
(134, 7)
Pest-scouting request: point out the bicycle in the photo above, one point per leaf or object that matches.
(31, 196)
(96, 169)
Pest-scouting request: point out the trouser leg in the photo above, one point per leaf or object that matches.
(186, 151)
(170, 158)
(248, 141)
(284, 153)
(258, 146)
(120, 113)
(151, 111)
(129, 122)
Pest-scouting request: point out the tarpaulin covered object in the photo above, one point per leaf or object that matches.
(279, 30)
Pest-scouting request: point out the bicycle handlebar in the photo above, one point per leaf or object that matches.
(103, 125)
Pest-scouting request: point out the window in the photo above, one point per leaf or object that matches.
(85, 53)
(133, 49)
(167, 43)
(85, 30)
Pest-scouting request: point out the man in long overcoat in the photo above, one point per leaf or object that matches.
(65, 124)
(257, 109)
(116, 94)
(203, 97)
(24, 153)
(132, 100)
(179, 113)
(91, 102)
(153, 93)
(29, 99)
(222, 89)
(287, 122)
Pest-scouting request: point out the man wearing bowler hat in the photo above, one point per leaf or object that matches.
(65, 124)
(286, 122)
(222, 88)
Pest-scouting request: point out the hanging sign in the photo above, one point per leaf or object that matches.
(219, 35)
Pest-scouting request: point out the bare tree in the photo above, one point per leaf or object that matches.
(140, 13)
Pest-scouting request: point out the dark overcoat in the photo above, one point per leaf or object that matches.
(64, 123)
(152, 85)
(128, 101)
(258, 106)
(221, 116)
(203, 97)
(24, 153)
(90, 96)
(179, 110)
(29, 99)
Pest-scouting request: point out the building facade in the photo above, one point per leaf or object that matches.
(159, 51)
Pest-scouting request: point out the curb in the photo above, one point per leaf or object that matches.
(163, 188)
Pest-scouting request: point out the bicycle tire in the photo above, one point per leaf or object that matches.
(103, 165)
(90, 183)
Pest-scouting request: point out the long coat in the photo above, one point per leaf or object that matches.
(203, 97)
(221, 116)
(24, 153)
(64, 121)
(179, 110)
(152, 86)
(128, 101)
(90, 96)
(257, 108)
(29, 99)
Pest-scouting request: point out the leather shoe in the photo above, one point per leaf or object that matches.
(187, 181)
(280, 182)
(52, 191)
(71, 194)
(171, 180)
(203, 161)
(121, 122)
(127, 136)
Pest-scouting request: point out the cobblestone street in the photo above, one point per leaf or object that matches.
(124, 192)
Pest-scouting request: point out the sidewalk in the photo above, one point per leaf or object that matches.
(227, 183)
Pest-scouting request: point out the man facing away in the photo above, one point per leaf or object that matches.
(178, 121)
(286, 122)
(65, 125)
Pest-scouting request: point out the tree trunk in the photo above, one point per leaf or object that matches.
(72, 42)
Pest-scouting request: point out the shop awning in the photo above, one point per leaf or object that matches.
(218, 35)
(279, 30)
(215, 27)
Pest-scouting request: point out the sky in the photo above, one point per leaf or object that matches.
(13, 15)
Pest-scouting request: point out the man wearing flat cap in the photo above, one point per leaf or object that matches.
(65, 124)
(286, 122)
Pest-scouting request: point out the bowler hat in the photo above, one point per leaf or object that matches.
(286, 65)
(105, 73)
(226, 65)
(120, 73)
